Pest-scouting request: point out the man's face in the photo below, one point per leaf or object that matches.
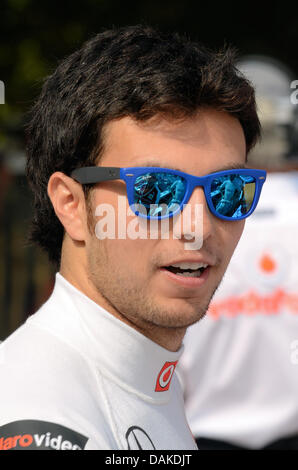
(129, 273)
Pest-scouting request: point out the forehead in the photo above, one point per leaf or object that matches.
(209, 141)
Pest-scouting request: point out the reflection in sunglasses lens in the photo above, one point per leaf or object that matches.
(232, 195)
(160, 193)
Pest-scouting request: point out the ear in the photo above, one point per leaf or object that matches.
(69, 205)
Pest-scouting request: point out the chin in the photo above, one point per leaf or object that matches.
(179, 320)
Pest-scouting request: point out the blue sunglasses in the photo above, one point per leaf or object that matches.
(158, 193)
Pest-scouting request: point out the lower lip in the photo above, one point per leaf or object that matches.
(190, 282)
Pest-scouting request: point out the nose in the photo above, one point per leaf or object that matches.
(198, 222)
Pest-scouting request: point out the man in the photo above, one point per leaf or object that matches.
(94, 367)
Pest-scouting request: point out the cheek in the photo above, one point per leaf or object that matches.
(227, 237)
(230, 236)
(131, 257)
(116, 237)
(125, 237)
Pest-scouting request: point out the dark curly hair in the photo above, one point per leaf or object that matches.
(132, 71)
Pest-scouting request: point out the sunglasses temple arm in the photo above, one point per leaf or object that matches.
(95, 174)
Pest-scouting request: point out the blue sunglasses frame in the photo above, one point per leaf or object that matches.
(97, 174)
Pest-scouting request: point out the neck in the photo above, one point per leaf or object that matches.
(168, 338)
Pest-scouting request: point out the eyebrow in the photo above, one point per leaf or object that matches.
(229, 166)
(233, 166)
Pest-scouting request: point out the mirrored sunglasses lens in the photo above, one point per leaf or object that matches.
(159, 193)
(232, 195)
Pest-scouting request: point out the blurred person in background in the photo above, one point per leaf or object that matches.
(240, 365)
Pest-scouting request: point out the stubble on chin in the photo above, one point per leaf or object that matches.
(128, 297)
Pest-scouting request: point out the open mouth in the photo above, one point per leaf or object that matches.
(187, 270)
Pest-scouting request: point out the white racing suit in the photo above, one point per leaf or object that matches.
(75, 377)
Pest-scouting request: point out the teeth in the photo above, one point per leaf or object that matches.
(188, 274)
(193, 266)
